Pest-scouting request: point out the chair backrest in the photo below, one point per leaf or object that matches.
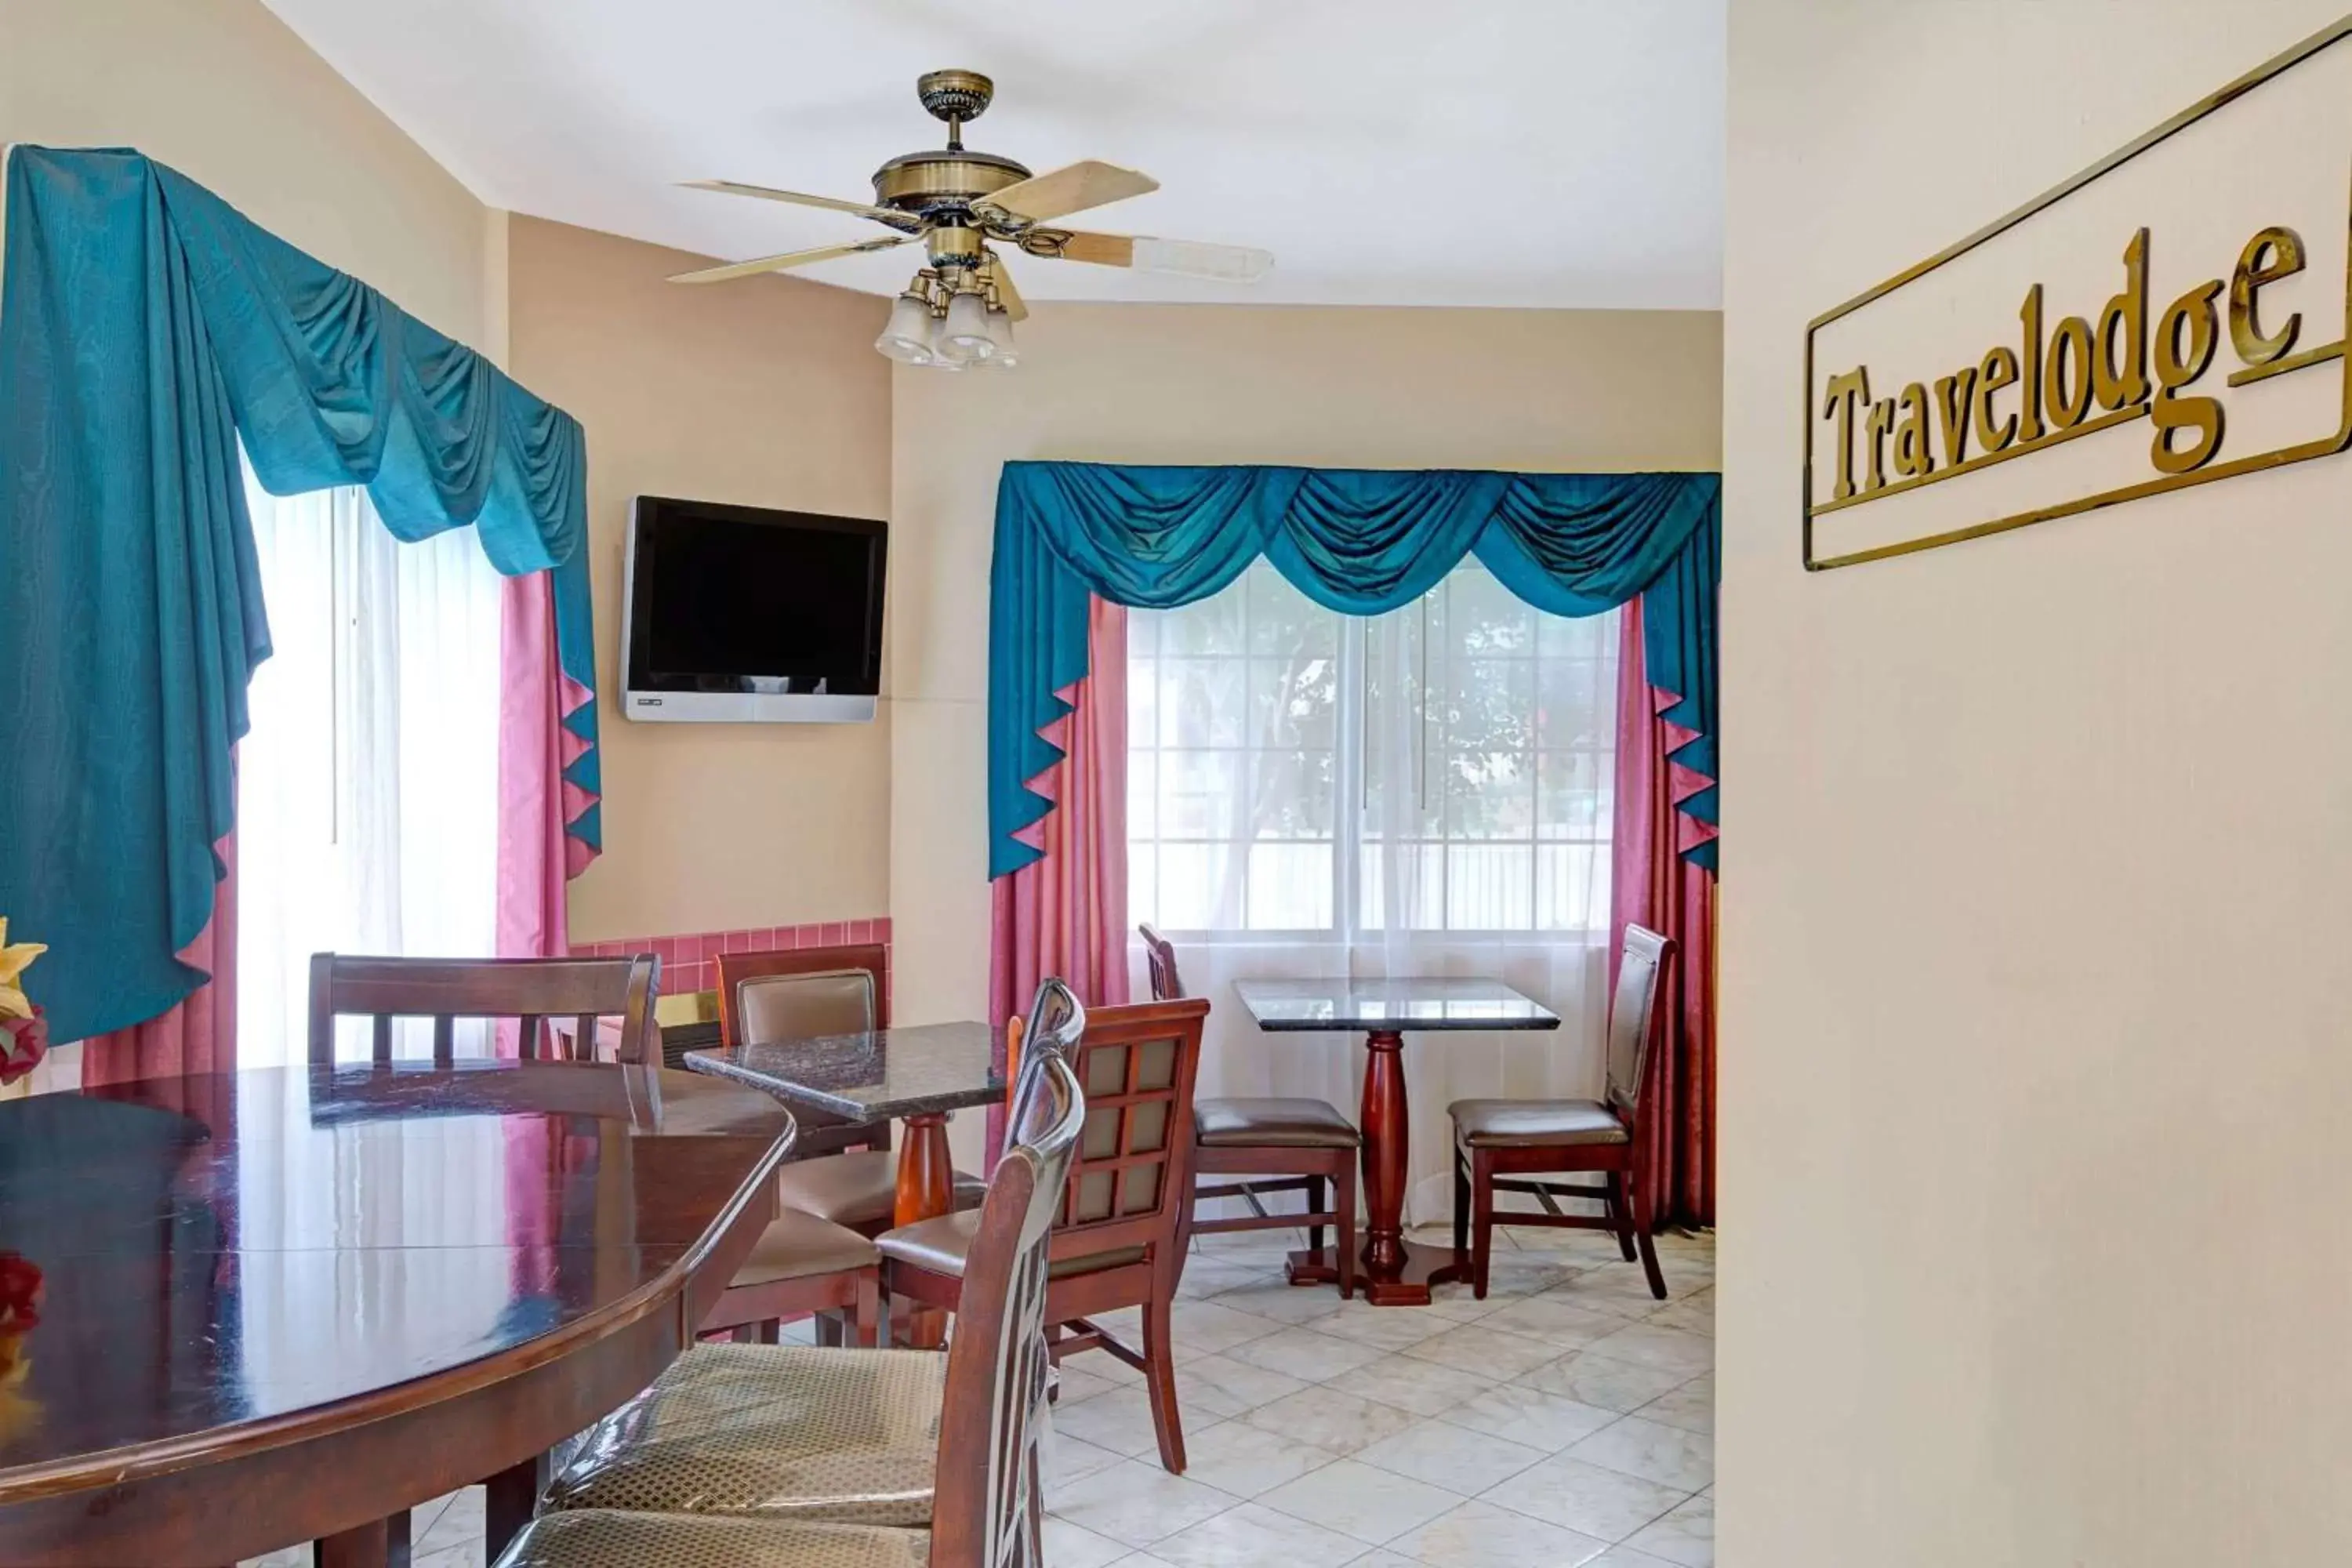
(801, 993)
(1131, 1179)
(984, 1514)
(1166, 983)
(1056, 1018)
(447, 989)
(1640, 969)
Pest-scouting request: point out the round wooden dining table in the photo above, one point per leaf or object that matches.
(239, 1312)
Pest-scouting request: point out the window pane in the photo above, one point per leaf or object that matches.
(1491, 706)
(1572, 884)
(1294, 702)
(1489, 794)
(1576, 702)
(1290, 796)
(1142, 694)
(1143, 796)
(1143, 883)
(1201, 702)
(1577, 637)
(1200, 794)
(1192, 891)
(1574, 795)
(1290, 887)
(1489, 887)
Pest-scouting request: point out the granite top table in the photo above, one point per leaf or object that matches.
(1397, 1273)
(915, 1074)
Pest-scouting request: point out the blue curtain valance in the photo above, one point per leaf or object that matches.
(145, 326)
(1359, 540)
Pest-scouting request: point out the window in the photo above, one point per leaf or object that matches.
(367, 786)
(1447, 767)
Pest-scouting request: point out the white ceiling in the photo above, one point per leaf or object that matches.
(1521, 152)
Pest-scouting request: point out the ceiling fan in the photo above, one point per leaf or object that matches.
(958, 310)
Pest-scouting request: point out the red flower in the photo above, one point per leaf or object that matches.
(23, 1043)
(20, 1293)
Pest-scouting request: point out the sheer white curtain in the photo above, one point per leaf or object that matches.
(1426, 793)
(367, 789)
(367, 822)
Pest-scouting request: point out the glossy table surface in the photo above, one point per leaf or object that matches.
(1406, 1004)
(227, 1259)
(875, 1075)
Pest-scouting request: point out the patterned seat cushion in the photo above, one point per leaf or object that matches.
(847, 1437)
(596, 1538)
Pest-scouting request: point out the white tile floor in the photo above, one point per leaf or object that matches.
(1568, 1419)
(1565, 1420)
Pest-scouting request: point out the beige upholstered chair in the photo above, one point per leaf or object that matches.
(1274, 1146)
(1495, 1142)
(748, 1455)
(800, 994)
(1119, 1239)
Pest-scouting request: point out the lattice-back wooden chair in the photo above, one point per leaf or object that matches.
(1119, 1241)
(785, 1457)
(534, 991)
(1499, 1142)
(1273, 1146)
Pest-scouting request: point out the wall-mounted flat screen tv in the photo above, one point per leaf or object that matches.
(742, 615)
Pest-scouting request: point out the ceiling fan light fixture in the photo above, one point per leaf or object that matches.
(964, 336)
(907, 336)
(1000, 332)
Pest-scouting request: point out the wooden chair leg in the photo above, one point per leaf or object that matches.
(867, 1315)
(1621, 1213)
(1461, 1205)
(1159, 1384)
(1639, 1202)
(1482, 1221)
(1317, 1200)
(1343, 1189)
(826, 1327)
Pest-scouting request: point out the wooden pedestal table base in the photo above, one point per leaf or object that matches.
(925, 1191)
(1396, 1272)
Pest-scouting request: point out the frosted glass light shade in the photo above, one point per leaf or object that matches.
(907, 336)
(964, 336)
(1000, 332)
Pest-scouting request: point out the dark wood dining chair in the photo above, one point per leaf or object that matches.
(799, 993)
(844, 1459)
(1118, 1240)
(1274, 1146)
(533, 990)
(1499, 1144)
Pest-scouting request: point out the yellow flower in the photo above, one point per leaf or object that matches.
(14, 1004)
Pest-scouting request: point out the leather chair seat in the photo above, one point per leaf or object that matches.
(797, 1246)
(939, 1247)
(1274, 1124)
(1534, 1123)
(774, 1432)
(856, 1189)
(599, 1538)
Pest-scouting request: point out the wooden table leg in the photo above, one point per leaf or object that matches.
(1397, 1272)
(509, 1499)
(925, 1191)
(366, 1547)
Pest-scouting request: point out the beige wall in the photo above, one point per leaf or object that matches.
(1368, 388)
(2037, 878)
(761, 393)
(223, 92)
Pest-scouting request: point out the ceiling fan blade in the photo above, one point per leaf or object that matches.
(1071, 189)
(798, 198)
(1232, 263)
(789, 258)
(1006, 294)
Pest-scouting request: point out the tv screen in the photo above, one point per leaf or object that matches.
(729, 602)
